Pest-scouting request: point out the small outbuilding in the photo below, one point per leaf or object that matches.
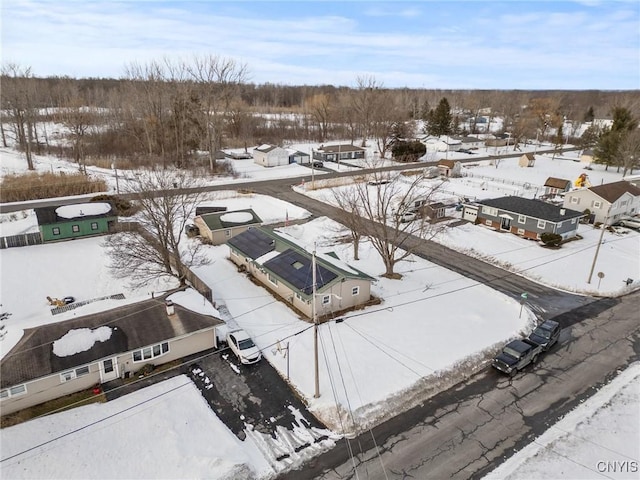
(555, 186)
(218, 227)
(527, 160)
(75, 221)
(270, 156)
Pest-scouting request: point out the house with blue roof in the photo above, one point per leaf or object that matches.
(277, 262)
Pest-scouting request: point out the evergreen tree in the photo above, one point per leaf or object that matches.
(589, 115)
(440, 120)
(607, 150)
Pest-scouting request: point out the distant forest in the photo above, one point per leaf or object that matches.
(182, 114)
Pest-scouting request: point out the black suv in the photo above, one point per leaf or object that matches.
(546, 334)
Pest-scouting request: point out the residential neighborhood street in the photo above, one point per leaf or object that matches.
(468, 430)
(545, 301)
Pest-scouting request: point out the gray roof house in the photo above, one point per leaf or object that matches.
(524, 217)
(47, 362)
(285, 268)
(608, 203)
(218, 227)
(336, 153)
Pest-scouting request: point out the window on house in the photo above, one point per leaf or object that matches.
(542, 223)
(71, 374)
(56, 231)
(488, 222)
(521, 231)
(227, 233)
(575, 200)
(490, 210)
(75, 228)
(13, 391)
(355, 291)
(522, 219)
(272, 279)
(148, 353)
(623, 203)
(326, 299)
(597, 204)
(94, 225)
(573, 221)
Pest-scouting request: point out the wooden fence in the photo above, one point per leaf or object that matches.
(22, 240)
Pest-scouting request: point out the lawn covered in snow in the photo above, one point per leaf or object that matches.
(166, 430)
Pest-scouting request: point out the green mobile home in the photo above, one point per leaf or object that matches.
(73, 221)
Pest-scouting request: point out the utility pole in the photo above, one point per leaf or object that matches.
(315, 322)
(595, 256)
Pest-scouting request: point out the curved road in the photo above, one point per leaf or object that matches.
(545, 301)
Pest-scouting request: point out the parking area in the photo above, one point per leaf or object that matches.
(252, 395)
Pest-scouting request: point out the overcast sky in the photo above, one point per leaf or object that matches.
(420, 44)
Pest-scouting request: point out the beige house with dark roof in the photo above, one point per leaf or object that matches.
(554, 186)
(218, 227)
(120, 342)
(609, 202)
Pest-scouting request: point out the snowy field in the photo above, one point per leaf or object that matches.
(598, 439)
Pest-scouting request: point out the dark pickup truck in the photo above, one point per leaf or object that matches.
(519, 353)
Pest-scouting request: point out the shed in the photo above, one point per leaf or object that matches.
(218, 227)
(527, 160)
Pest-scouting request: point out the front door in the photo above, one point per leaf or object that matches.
(108, 370)
(505, 224)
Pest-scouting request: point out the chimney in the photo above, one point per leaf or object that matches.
(170, 309)
(562, 211)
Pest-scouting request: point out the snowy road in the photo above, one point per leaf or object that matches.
(468, 430)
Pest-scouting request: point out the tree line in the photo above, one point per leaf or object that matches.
(181, 113)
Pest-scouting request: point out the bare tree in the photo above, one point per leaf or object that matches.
(157, 247)
(320, 107)
(364, 104)
(630, 151)
(381, 208)
(78, 118)
(218, 79)
(18, 101)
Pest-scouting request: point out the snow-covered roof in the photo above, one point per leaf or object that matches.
(83, 209)
(80, 340)
(236, 217)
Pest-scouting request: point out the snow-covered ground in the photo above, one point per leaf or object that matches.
(404, 343)
(567, 268)
(163, 431)
(598, 439)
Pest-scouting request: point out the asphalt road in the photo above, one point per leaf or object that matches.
(544, 301)
(468, 430)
